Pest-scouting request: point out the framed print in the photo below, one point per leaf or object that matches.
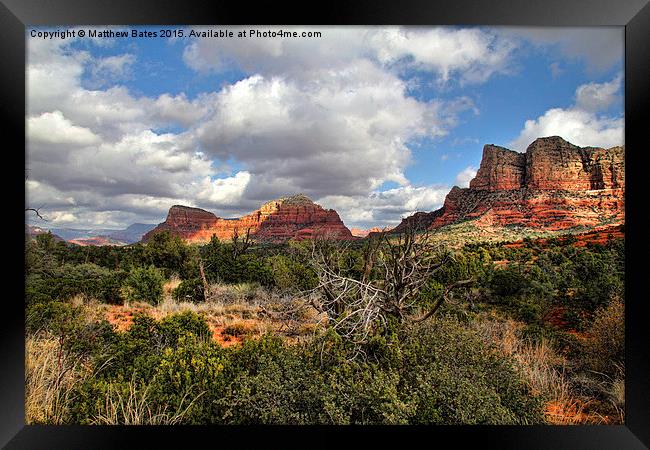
(421, 219)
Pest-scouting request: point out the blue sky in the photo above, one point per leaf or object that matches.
(375, 123)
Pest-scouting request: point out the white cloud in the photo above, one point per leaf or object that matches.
(311, 138)
(594, 97)
(580, 124)
(601, 48)
(471, 54)
(111, 69)
(224, 191)
(465, 176)
(385, 208)
(53, 128)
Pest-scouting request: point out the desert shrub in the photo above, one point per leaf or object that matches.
(168, 252)
(605, 349)
(236, 330)
(453, 378)
(189, 290)
(145, 284)
(364, 393)
(223, 265)
(70, 280)
(289, 274)
(268, 382)
(176, 325)
(507, 282)
(188, 379)
(59, 318)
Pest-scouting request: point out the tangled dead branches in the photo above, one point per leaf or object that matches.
(383, 282)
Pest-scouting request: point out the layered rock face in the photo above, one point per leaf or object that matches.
(501, 169)
(554, 185)
(295, 217)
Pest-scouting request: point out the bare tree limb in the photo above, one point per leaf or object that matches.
(38, 213)
(444, 298)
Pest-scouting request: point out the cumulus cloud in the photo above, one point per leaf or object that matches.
(465, 176)
(594, 97)
(600, 48)
(471, 54)
(53, 128)
(386, 208)
(111, 69)
(312, 139)
(581, 124)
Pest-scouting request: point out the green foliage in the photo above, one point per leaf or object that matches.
(290, 274)
(64, 282)
(168, 252)
(189, 375)
(438, 372)
(224, 265)
(453, 378)
(189, 291)
(145, 284)
(60, 318)
(174, 326)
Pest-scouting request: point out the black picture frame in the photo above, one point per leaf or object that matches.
(634, 15)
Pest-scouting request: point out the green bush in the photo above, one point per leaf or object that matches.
(64, 282)
(451, 377)
(145, 284)
(289, 274)
(168, 252)
(189, 291)
(176, 325)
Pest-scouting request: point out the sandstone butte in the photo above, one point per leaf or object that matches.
(553, 186)
(295, 217)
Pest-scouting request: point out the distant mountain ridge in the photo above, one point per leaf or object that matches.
(132, 234)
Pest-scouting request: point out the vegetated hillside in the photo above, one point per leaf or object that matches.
(223, 333)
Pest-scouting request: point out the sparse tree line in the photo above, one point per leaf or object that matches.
(395, 345)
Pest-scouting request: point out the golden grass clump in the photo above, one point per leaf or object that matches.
(51, 374)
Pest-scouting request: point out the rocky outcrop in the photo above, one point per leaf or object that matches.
(554, 185)
(295, 217)
(501, 169)
(551, 164)
(419, 221)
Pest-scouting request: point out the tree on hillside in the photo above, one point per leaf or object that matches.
(167, 251)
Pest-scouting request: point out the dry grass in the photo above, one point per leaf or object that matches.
(233, 312)
(50, 377)
(134, 408)
(544, 371)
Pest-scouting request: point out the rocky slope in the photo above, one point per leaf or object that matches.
(295, 217)
(553, 186)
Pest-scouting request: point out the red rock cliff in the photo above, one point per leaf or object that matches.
(554, 185)
(295, 217)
